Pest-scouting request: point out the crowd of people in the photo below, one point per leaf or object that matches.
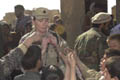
(35, 50)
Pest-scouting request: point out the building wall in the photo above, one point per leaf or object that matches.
(11, 18)
(114, 12)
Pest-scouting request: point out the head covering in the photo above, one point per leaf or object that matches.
(115, 30)
(101, 17)
(40, 13)
(2, 23)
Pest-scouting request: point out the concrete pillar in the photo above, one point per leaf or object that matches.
(73, 13)
(118, 11)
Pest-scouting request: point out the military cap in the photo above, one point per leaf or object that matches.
(101, 17)
(40, 13)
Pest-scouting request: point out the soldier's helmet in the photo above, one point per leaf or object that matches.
(40, 13)
(101, 17)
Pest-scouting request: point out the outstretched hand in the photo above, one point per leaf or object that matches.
(48, 39)
(70, 63)
(69, 57)
(35, 36)
(53, 39)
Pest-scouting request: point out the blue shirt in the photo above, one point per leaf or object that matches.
(115, 30)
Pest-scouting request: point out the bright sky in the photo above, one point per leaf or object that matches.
(8, 5)
(111, 3)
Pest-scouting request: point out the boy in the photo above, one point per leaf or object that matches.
(114, 41)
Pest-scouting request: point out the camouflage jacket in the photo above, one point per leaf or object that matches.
(10, 62)
(90, 47)
(29, 76)
(51, 56)
(93, 75)
(87, 73)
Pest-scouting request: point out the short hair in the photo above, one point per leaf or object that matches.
(114, 37)
(112, 52)
(52, 72)
(30, 59)
(113, 66)
(19, 7)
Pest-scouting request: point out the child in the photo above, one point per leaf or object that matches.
(114, 41)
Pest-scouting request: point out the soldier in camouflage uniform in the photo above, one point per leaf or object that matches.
(50, 41)
(91, 44)
(12, 60)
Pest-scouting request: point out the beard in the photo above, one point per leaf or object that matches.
(105, 31)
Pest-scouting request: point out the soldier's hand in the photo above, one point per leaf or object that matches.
(45, 42)
(48, 39)
(52, 39)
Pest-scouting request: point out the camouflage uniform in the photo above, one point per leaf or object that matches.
(10, 62)
(88, 74)
(90, 47)
(93, 75)
(51, 56)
